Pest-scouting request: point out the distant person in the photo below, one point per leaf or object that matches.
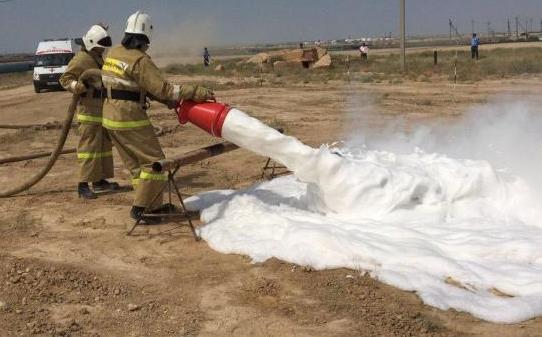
(300, 45)
(364, 52)
(318, 43)
(474, 43)
(206, 57)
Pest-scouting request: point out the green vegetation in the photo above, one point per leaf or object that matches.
(495, 63)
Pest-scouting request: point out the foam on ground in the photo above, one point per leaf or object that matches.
(459, 233)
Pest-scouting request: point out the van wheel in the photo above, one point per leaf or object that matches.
(37, 89)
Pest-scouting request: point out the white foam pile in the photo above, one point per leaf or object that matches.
(458, 232)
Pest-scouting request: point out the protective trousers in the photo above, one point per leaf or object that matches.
(138, 148)
(94, 153)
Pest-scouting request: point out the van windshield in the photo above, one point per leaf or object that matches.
(53, 60)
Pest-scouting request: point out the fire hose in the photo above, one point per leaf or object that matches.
(86, 76)
(158, 130)
(208, 116)
(24, 157)
(46, 126)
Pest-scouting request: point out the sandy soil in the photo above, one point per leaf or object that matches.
(68, 269)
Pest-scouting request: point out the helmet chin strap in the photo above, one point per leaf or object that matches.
(98, 50)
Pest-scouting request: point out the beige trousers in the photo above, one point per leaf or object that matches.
(94, 153)
(137, 149)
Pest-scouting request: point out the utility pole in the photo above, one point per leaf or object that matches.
(489, 29)
(454, 31)
(509, 30)
(402, 26)
(472, 24)
(517, 27)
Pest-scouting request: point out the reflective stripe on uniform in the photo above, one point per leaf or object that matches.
(72, 85)
(115, 66)
(135, 181)
(109, 80)
(176, 91)
(125, 124)
(152, 176)
(89, 118)
(94, 155)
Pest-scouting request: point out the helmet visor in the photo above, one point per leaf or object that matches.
(105, 42)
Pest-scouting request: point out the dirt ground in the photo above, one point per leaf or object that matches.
(67, 267)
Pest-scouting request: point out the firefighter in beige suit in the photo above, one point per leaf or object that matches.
(94, 147)
(130, 77)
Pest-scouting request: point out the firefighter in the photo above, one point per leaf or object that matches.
(130, 78)
(94, 147)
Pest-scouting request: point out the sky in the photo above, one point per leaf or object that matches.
(220, 22)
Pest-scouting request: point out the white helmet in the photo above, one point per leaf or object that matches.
(139, 23)
(97, 36)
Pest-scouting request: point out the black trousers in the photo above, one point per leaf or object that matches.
(474, 52)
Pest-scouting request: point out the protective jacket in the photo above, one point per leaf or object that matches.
(94, 149)
(130, 76)
(89, 109)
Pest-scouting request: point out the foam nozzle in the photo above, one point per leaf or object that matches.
(208, 116)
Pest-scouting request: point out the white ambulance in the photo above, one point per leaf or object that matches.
(51, 61)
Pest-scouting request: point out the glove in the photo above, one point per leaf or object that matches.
(196, 93)
(202, 94)
(78, 87)
(172, 104)
(93, 82)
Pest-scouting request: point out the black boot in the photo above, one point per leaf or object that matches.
(165, 209)
(104, 185)
(84, 191)
(137, 214)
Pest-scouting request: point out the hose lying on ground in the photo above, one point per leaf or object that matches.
(158, 130)
(90, 73)
(46, 126)
(24, 157)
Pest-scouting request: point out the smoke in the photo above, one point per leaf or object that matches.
(506, 132)
(184, 41)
